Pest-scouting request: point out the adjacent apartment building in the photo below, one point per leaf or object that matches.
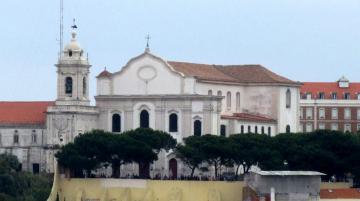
(330, 105)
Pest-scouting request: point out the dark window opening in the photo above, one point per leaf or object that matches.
(223, 130)
(36, 168)
(262, 130)
(321, 95)
(197, 128)
(68, 85)
(242, 129)
(144, 119)
(70, 53)
(269, 131)
(288, 98)
(84, 86)
(256, 130)
(116, 123)
(249, 129)
(287, 128)
(173, 123)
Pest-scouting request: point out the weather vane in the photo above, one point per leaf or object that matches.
(74, 24)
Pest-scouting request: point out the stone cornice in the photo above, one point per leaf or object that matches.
(157, 97)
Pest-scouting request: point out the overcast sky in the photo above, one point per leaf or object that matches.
(304, 40)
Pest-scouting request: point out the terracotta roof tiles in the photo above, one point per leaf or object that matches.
(104, 73)
(23, 113)
(230, 73)
(328, 88)
(342, 193)
(249, 117)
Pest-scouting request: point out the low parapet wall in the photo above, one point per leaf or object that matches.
(146, 190)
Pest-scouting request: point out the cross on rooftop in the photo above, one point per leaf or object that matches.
(147, 49)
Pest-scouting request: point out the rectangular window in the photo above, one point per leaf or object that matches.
(334, 126)
(309, 113)
(347, 113)
(36, 168)
(321, 126)
(321, 113)
(309, 127)
(347, 128)
(334, 113)
(223, 130)
(321, 95)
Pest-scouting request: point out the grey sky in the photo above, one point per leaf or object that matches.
(304, 40)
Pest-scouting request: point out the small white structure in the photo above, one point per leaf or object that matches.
(283, 185)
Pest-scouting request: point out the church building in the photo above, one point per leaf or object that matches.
(180, 98)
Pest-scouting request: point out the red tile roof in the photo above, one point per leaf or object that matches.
(343, 193)
(23, 113)
(104, 73)
(328, 88)
(230, 73)
(249, 117)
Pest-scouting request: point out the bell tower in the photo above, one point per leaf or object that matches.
(73, 70)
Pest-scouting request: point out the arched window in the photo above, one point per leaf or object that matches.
(288, 98)
(116, 123)
(228, 99)
(238, 102)
(249, 129)
(16, 137)
(210, 92)
(70, 53)
(256, 131)
(219, 93)
(262, 130)
(242, 129)
(287, 128)
(68, 85)
(144, 119)
(173, 123)
(269, 131)
(197, 128)
(223, 130)
(34, 137)
(84, 86)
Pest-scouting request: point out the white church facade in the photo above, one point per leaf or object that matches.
(180, 98)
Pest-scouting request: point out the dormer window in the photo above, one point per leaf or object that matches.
(308, 96)
(333, 96)
(347, 96)
(321, 95)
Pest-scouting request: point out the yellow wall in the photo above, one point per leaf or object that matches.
(146, 190)
(150, 190)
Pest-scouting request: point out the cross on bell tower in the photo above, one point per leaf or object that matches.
(147, 49)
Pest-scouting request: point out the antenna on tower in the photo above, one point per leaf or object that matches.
(61, 27)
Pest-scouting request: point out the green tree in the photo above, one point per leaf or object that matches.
(190, 153)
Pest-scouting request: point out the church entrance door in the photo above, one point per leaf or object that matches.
(173, 168)
(144, 170)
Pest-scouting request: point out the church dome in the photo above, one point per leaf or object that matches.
(73, 45)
